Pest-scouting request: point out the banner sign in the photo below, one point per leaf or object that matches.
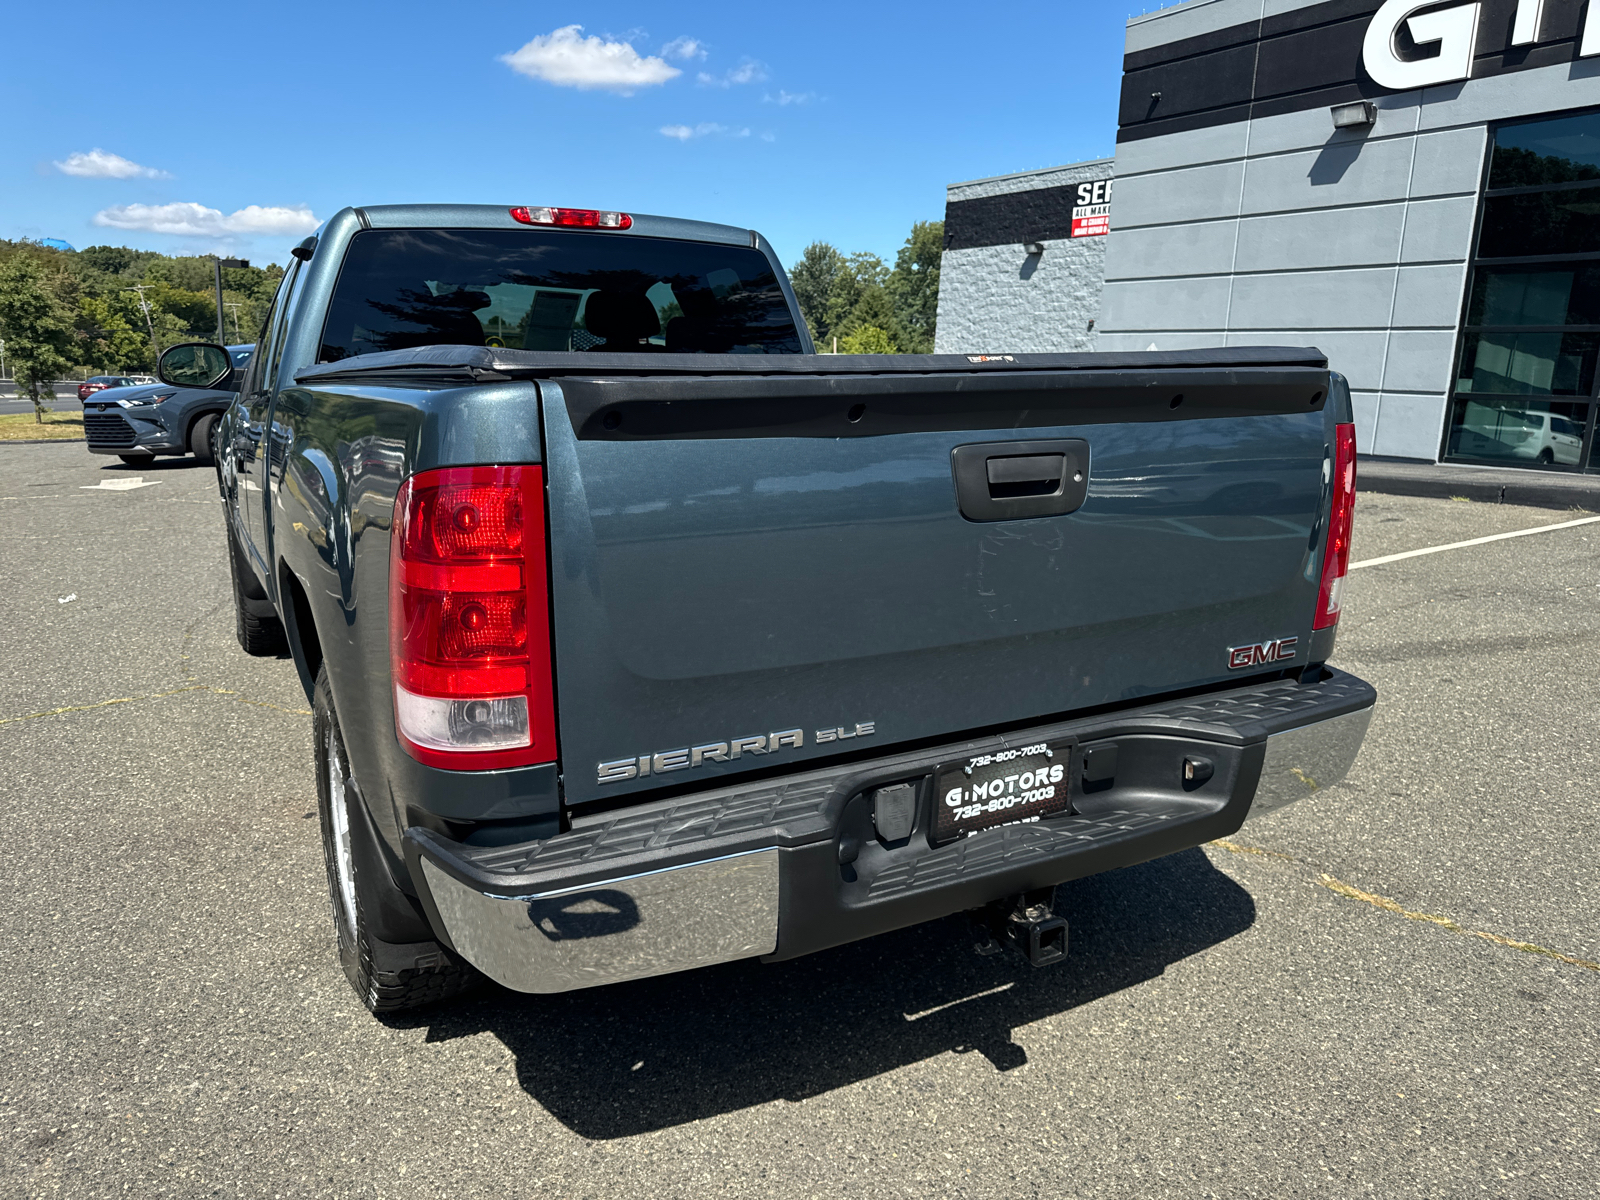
(1091, 215)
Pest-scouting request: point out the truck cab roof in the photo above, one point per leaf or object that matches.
(495, 216)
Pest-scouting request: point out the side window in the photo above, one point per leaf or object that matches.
(282, 304)
(255, 374)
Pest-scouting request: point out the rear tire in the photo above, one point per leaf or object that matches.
(260, 635)
(1547, 456)
(200, 440)
(387, 975)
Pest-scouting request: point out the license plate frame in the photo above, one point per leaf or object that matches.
(985, 792)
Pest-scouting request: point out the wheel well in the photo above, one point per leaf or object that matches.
(301, 628)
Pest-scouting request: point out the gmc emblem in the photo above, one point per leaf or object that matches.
(1277, 650)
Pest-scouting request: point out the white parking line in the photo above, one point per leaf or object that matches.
(1493, 537)
(118, 485)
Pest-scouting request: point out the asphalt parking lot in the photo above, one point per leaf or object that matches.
(1389, 989)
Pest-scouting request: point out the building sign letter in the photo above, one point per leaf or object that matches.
(1454, 29)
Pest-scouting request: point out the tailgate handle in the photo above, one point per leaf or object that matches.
(1013, 481)
(1025, 475)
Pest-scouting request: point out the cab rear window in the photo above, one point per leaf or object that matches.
(560, 290)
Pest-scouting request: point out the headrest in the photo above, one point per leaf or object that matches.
(625, 316)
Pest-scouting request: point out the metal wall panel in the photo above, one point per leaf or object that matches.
(1350, 299)
(1188, 304)
(1197, 194)
(1162, 251)
(1419, 360)
(1436, 230)
(1336, 237)
(1409, 426)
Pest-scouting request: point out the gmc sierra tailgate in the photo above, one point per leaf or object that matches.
(751, 571)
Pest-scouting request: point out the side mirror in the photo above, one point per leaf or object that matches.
(195, 365)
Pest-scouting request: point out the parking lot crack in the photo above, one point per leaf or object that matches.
(1350, 892)
(199, 687)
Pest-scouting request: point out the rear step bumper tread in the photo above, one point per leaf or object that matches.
(756, 869)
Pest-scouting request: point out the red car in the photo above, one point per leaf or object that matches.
(97, 383)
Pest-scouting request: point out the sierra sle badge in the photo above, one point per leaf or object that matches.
(686, 757)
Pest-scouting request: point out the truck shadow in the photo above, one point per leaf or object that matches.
(632, 1058)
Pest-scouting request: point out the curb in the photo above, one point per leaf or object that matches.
(41, 441)
(1536, 489)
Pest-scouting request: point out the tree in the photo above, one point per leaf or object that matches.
(868, 339)
(863, 271)
(914, 284)
(873, 309)
(813, 279)
(112, 333)
(36, 333)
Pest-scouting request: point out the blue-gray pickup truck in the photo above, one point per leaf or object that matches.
(640, 638)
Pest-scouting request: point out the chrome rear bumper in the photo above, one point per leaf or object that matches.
(630, 928)
(782, 868)
(1303, 761)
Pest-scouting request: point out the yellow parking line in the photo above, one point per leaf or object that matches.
(1349, 892)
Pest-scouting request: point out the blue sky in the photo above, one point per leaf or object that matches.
(242, 125)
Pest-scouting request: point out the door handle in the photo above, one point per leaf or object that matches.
(1014, 481)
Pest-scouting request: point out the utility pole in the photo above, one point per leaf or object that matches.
(219, 263)
(235, 308)
(148, 320)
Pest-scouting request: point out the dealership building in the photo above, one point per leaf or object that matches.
(1413, 187)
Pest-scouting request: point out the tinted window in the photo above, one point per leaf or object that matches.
(554, 290)
(1560, 222)
(1562, 150)
(1529, 364)
(1563, 294)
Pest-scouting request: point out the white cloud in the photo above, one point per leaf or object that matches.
(684, 132)
(187, 219)
(749, 71)
(684, 49)
(787, 98)
(568, 60)
(101, 164)
(705, 129)
(769, 136)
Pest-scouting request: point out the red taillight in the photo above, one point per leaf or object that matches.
(469, 619)
(580, 218)
(1336, 549)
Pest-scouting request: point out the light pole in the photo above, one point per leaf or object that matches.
(219, 263)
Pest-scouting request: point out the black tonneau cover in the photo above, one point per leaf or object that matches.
(455, 366)
(626, 397)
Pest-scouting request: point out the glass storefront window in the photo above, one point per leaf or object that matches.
(1562, 294)
(1559, 150)
(1525, 381)
(1522, 433)
(1530, 223)
(1528, 364)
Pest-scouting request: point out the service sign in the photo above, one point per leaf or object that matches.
(1091, 210)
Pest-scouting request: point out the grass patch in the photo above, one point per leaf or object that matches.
(21, 427)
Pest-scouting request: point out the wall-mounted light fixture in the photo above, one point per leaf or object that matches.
(1354, 116)
(1033, 249)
